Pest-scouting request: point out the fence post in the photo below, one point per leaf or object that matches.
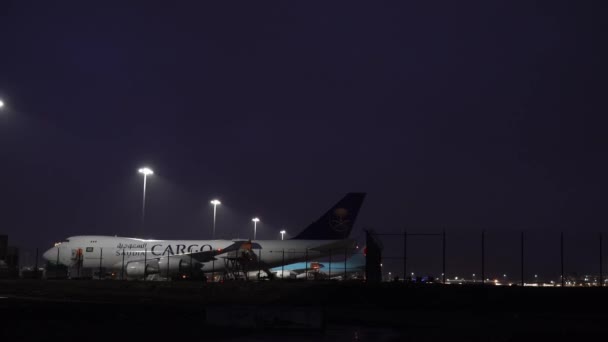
(329, 264)
(122, 269)
(561, 249)
(483, 257)
(404, 255)
(443, 257)
(100, 260)
(345, 257)
(146, 262)
(36, 265)
(283, 265)
(522, 259)
(57, 264)
(601, 264)
(306, 264)
(260, 264)
(168, 263)
(79, 262)
(191, 266)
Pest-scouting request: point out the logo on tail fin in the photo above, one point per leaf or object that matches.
(340, 221)
(337, 222)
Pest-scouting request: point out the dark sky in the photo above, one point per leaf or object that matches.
(450, 116)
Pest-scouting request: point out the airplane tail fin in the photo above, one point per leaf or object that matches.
(337, 222)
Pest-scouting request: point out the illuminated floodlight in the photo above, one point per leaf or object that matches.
(282, 234)
(255, 226)
(146, 171)
(1, 104)
(215, 202)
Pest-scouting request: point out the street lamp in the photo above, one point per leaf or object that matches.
(215, 204)
(255, 225)
(146, 172)
(282, 234)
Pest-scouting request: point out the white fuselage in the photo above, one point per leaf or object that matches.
(116, 253)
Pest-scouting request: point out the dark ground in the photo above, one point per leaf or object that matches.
(95, 310)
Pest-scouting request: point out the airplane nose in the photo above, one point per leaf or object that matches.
(50, 255)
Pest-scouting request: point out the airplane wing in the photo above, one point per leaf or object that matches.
(206, 256)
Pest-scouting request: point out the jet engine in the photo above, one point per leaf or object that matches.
(284, 274)
(138, 268)
(173, 266)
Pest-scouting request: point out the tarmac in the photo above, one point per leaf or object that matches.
(297, 310)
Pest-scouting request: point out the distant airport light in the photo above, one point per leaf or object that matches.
(1, 104)
(282, 234)
(215, 203)
(255, 226)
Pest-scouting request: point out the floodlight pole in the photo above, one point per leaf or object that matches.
(255, 226)
(215, 204)
(145, 171)
(143, 202)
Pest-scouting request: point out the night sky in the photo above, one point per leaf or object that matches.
(487, 115)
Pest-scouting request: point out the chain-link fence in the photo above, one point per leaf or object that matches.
(531, 258)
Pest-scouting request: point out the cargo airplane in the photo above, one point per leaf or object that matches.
(134, 258)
